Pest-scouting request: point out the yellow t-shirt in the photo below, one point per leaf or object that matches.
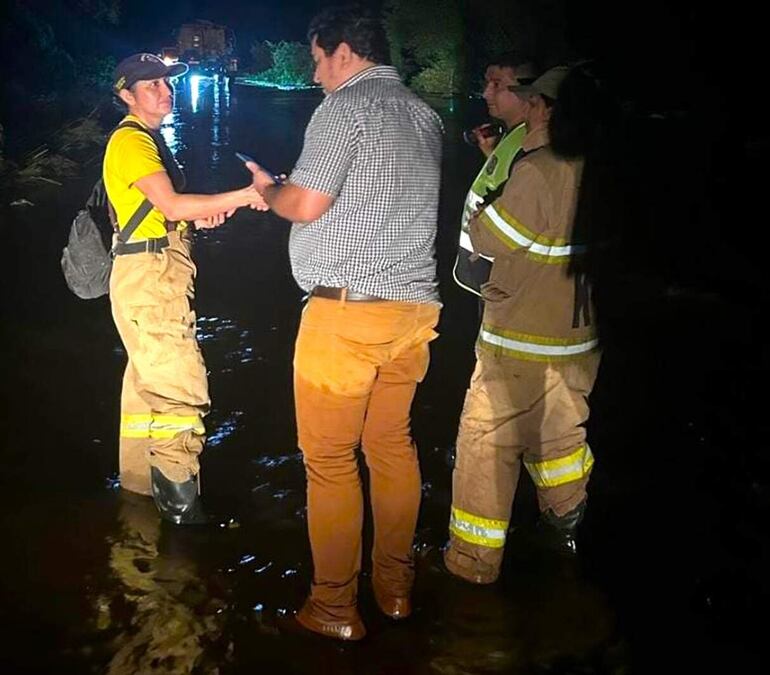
(130, 155)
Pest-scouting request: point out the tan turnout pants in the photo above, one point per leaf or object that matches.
(516, 411)
(165, 393)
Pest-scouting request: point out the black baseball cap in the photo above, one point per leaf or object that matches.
(143, 67)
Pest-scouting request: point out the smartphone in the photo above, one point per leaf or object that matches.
(245, 158)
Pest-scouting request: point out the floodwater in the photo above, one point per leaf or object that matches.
(672, 549)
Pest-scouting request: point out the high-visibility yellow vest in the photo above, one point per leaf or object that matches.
(468, 273)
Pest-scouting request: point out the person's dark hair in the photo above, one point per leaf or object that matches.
(118, 103)
(587, 123)
(583, 114)
(360, 28)
(516, 61)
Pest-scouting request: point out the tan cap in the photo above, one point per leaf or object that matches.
(545, 85)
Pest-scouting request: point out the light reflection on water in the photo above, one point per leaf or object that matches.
(161, 614)
(224, 429)
(195, 81)
(235, 342)
(271, 462)
(214, 328)
(169, 132)
(226, 335)
(203, 96)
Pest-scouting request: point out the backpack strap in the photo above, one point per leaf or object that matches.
(146, 205)
(133, 222)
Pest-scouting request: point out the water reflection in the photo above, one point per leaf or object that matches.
(224, 429)
(272, 462)
(163, 617)
(220, 129)
(195, 96)
(169, 132)
(544, 618)
(195, 82)
(233, 343)
(215, 106)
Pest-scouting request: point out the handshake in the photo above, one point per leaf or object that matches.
(252, 195)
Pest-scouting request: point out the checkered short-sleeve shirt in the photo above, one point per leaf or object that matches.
(376, 148)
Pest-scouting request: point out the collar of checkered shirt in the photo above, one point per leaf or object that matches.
(379, 71)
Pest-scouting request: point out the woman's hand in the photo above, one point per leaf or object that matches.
(212, 221)
(254, 200)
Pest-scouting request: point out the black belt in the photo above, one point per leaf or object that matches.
(343, 294)
(146, 246)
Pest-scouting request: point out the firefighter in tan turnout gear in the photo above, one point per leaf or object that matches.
(537, 356)
(165, 392)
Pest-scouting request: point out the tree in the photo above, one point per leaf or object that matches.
(52, 45)
(101, 10)
(261, 56)
(437, 44)
(536, 28)
(57, 53)
(292, 65)
(428, 43)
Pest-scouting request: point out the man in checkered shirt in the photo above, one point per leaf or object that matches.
(363, 199)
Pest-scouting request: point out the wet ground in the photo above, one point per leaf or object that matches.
(674, 549)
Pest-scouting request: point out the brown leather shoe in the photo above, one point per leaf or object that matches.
(396, 607)
(352, 630)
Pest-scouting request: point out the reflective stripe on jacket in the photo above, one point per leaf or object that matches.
(536, 307)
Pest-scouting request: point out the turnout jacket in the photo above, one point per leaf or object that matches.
(536, 308)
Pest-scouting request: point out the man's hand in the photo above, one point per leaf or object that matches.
(261, 179)
(292, 202)
(486, 143)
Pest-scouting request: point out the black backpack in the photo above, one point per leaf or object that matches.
(87, 259)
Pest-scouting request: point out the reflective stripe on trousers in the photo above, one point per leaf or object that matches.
(478, 530)
(516, 412)
(159, 426)
(554, 472)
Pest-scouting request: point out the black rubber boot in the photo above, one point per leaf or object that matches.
(559, 533)
(178, 503)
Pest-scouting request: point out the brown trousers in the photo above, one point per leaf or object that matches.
(516, 411)
(356, 369)
(165, 393)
